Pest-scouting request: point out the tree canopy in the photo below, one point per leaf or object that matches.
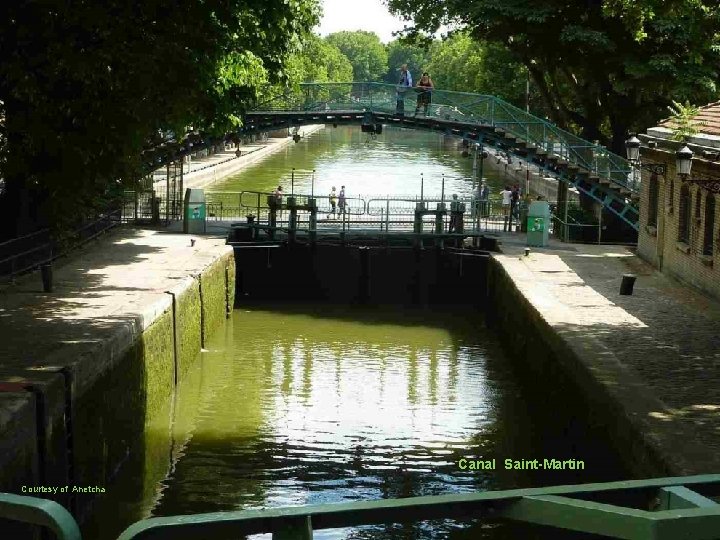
(602, 67)
(84, 86)
(366, 53)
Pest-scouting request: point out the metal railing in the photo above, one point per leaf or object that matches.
(27, 253)
(655, 509)
(372, 214)
(468, 108)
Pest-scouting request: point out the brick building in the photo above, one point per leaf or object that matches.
(680, 216)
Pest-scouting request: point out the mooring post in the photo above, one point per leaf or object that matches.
(312, 206)
(292, 222)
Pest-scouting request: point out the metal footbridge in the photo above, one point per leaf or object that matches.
(605, 177)
(656, 509)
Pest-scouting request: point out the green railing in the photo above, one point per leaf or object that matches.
(476, 109)
(656, 509)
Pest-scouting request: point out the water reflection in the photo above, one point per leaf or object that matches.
(293, 407)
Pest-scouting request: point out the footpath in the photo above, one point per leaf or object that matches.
(203, 171)
(656, 352)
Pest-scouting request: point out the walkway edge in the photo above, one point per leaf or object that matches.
(618, 401)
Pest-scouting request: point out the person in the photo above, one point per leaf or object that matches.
(278, 194)
(506, 195)
(341, 200)
(425, 86)
(333, 201)
(453, 215)
(514, 204)
(404, 83)
(484, 197)
(524, 208)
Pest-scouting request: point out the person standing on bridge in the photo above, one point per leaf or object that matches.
(404, 84)
(424, 86)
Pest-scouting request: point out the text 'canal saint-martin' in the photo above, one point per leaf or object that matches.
(548, 464)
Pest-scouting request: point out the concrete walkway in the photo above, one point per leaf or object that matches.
(204, 171)
(657, 351)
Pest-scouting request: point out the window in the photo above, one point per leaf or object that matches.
(698, 201)
(708, 248)
(652, 201)
(671, 196)
(684, 221)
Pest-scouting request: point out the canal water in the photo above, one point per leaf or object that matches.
(308, 404)
(390, 164)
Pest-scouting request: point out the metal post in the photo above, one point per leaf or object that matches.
(442, 189)
(258, 206)
(387, 213)
(600, 225)
(482, 159)
(474, 169)
(167, 195)
(312, 184)
(422, 181)
(292, 182)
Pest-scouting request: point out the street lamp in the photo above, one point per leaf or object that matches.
(684, 161)
(632, 146)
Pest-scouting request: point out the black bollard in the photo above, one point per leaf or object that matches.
(47, 277)
(628, 281)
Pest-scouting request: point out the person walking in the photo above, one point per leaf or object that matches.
(424, 86)
(484, 197)
(453, 214)
(341, 200)
(514, 204)
(506, 195)
(333, 201)
(403, 85)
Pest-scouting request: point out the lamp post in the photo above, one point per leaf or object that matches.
(632, 147)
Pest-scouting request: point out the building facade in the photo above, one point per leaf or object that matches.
(680, 216)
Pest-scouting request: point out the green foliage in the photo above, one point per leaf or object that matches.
(86, 86)
(602, 68)
(366, 53)
(683, 121)
(400, 52)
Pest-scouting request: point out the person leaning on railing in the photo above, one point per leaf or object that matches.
(424, 88)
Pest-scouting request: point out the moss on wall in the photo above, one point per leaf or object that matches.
(214, 297)
(188, 326)
(159, 362)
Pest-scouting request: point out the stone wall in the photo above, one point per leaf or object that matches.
(659, 244)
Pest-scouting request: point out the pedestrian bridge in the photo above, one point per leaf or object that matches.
(605, 177)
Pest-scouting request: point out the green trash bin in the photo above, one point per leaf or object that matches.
(195, 209)
(538, 224)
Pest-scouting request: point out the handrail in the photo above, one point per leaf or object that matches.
(41, 512)
(657, 509)
(480, 109)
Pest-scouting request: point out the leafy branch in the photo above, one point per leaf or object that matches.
(683, 121)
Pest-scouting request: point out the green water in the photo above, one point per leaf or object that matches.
(391, 164)
(319, 404)
(308, 405)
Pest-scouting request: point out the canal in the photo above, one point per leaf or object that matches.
(306, 404)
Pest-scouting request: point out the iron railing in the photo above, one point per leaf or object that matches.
(475, 109)
(655, 509)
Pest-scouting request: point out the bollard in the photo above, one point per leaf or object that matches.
(628, 281)
(527, 251)
(47, 277)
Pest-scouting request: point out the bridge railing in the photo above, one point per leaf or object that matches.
(655, 509)
(477, 109)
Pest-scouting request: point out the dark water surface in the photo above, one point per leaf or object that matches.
(308, 404)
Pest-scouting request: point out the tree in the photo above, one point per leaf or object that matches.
(400, 52)
(320, 61)
(366, 53)
(602, 67)
(86, 86)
